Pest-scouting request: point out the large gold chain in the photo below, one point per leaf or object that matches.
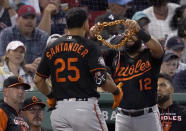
(127, 34)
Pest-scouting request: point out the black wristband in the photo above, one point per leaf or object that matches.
(51, 95)
(145, 37)
(116, 92)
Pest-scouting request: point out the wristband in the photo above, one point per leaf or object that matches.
(116, 92)
(51, 95)
(145, 37)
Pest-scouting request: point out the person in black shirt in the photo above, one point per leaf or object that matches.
(137, 67)
(172, 116)
(11, 118)
(76, 68)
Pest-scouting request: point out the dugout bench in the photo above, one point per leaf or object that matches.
(105, 102)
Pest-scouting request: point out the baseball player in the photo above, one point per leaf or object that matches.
(76, 68)
(137, 68)
(172, 116)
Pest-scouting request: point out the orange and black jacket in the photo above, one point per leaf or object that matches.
(10, 119)
(173, 118)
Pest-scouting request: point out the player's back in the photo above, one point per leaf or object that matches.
(71, 59)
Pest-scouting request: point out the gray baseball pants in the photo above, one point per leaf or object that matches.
(146, 122)
(73, 115)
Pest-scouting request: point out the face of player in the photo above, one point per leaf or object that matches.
(86, 26)
(164, 90)
(15, 95)
(16, 56)
(169, 67)
(132, 47)
(26, 24)
(34, 115)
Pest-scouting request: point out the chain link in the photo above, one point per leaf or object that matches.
(128, 34)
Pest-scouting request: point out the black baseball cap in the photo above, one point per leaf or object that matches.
(169, 55)
(175, 42)
(14, 81)
(34, 100)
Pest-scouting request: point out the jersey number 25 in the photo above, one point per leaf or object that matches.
(69, 67)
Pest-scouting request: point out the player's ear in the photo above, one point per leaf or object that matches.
(86, 25)
(171, 90)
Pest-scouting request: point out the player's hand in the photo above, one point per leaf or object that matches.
(132, 24)
(51, 103)
(118, 98)
(94, 30)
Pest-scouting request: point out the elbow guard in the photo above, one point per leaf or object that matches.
(100, 78)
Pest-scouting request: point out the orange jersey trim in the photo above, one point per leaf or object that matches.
(3, 120)
(41, 75)
(97, 69)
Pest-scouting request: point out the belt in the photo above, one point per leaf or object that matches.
(135, 113)
(73, 99)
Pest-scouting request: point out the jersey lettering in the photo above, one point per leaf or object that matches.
(64, 47)
(70, 67)
(144, 84)
(132, 71)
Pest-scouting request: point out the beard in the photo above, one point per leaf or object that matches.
(162, 99)
(131, 49)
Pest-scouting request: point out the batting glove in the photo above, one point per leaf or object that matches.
(118, 97)
(51, 103)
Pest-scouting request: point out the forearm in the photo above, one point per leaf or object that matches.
(153, 44)
(155, 48)
(45, 22)
(109, 85)
(42, 85)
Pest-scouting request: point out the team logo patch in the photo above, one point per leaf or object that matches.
(101, 61)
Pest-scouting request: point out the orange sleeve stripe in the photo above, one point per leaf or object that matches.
(41, 75)
(97, 69)
(3, 120)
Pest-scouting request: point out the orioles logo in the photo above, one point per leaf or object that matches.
(35, 99)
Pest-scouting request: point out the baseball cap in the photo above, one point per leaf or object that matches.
(34, 100)
(139, 15)
(26, 10)
(52, 38)
(107, 17)
(14, 45)
(175, 42)
(14, 81)
(169, 55)
(119, 2)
